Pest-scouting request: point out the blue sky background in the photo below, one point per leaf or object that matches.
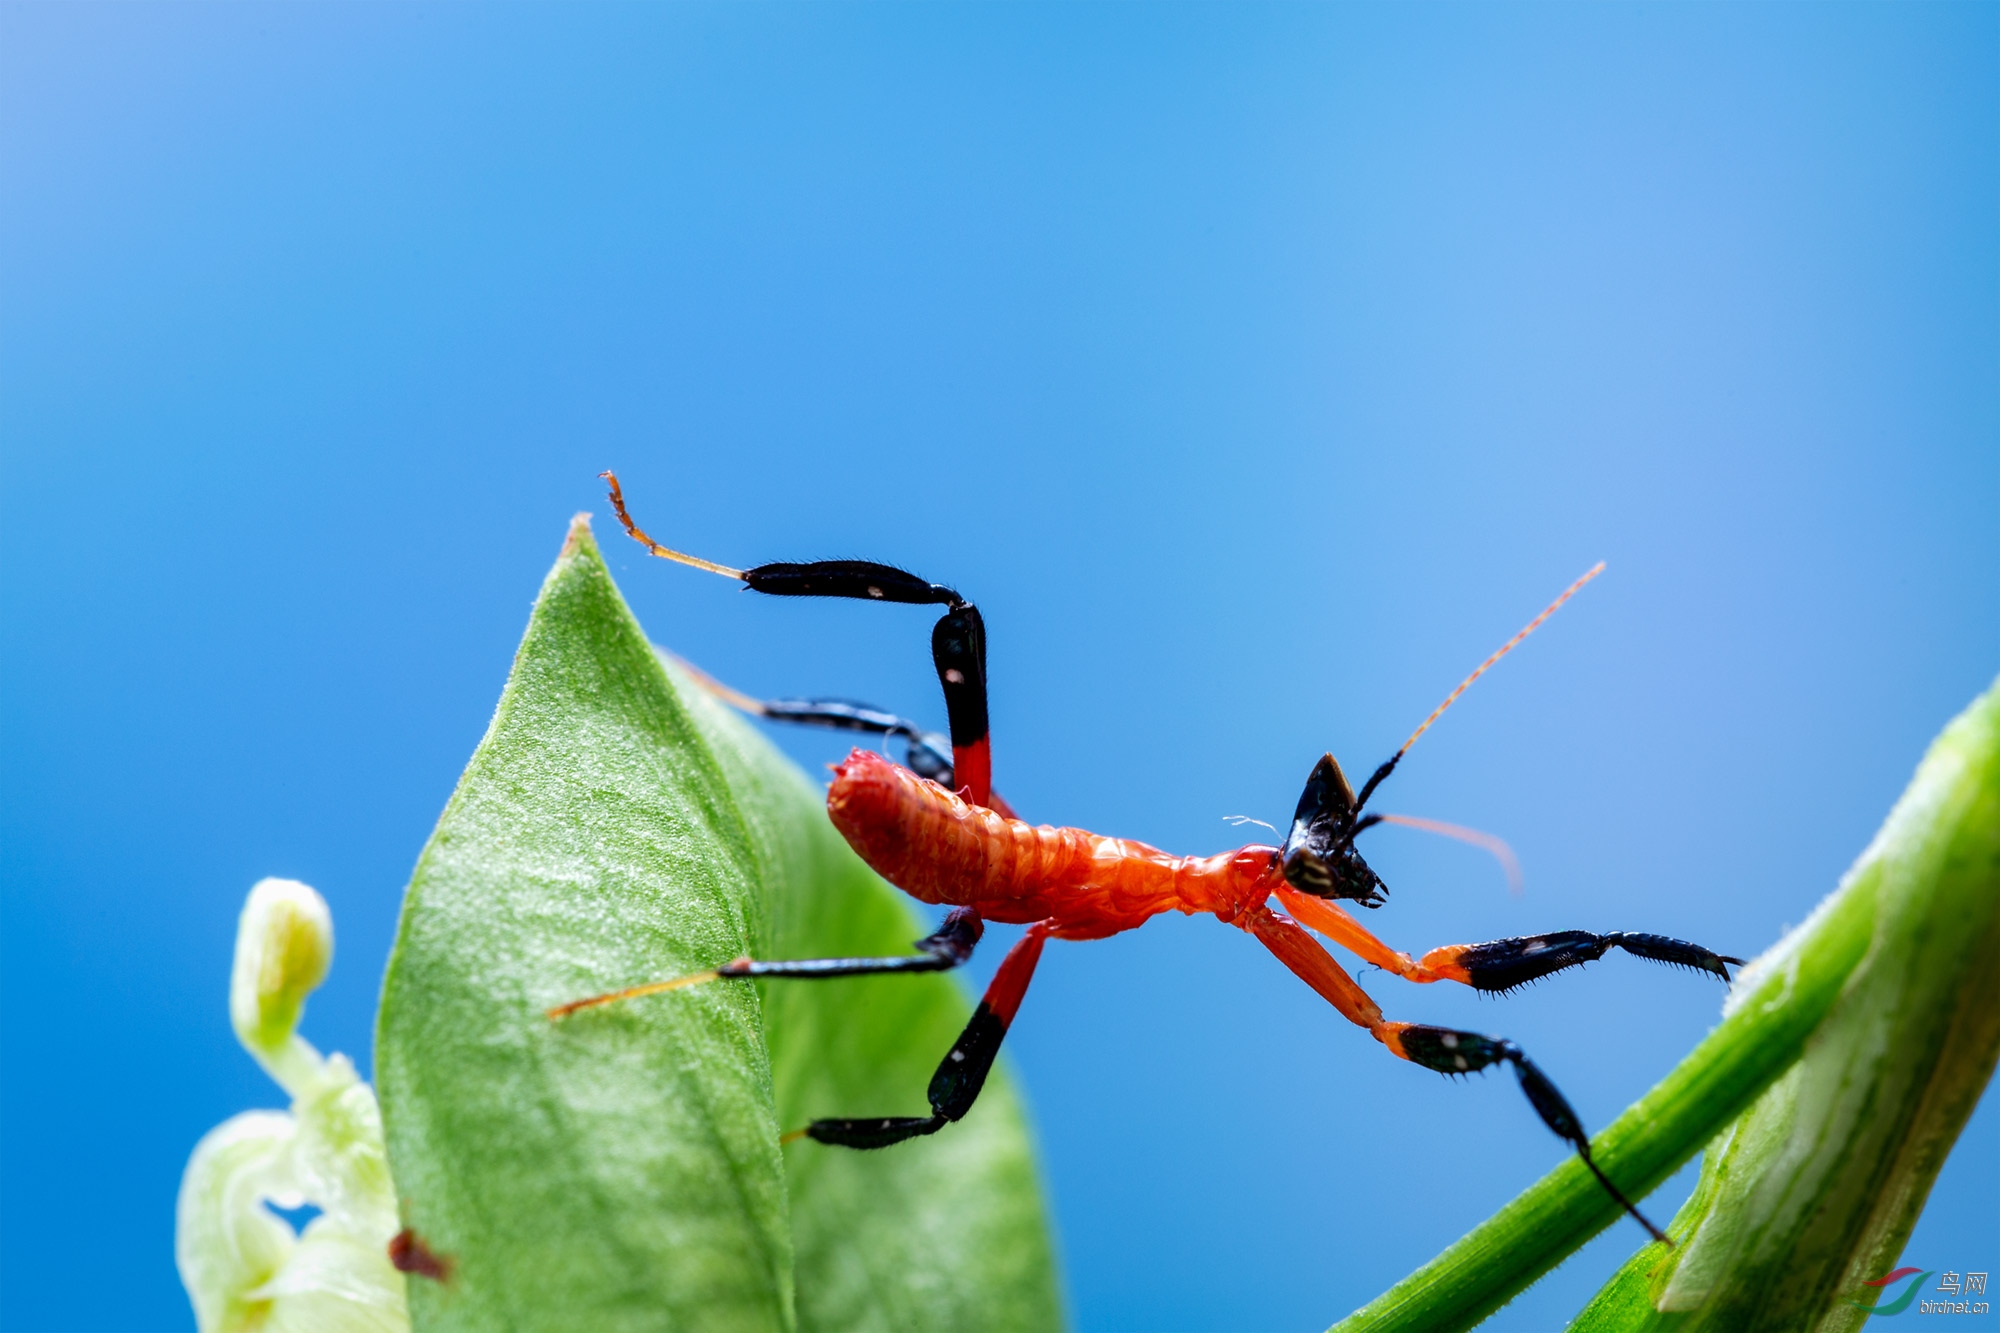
(1258, 369)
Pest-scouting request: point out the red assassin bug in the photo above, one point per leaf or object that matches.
(938, 831)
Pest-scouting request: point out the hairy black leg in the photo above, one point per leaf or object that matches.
(1501, 965)
(963, 1071)
(1451, 1052)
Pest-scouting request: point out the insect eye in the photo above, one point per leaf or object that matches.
(1343, 874)
(1307, 873)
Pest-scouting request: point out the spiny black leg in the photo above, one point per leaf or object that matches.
(1680, 953)
(929, 756)
(1501, 965)
(1557, 1114)
(963, 1071)
(950, 946)
(1451, 1052)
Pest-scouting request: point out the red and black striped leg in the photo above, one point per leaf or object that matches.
(1451, 1052)
(958, 650)
(963, 1072)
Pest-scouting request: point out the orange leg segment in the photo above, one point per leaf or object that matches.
(1312, 964)
(1442, 1049)
(1337, 924)
(1497, 965)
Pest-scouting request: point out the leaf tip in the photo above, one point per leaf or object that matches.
(578, 535)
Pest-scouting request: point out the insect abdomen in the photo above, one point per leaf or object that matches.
(937, 848)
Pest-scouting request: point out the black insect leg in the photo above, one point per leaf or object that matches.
(1451, 1052)
(1501, 965)
(958, 651)
(926, 753)
(958, 647)
(963, 1072)
(958, 643)
(950, 945)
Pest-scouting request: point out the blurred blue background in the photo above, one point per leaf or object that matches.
(1258, 369)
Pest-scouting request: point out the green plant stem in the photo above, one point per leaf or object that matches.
(1939, 853)
(1816, 1188)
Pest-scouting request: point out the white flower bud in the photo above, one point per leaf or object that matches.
(284, 945)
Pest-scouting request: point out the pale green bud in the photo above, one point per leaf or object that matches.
(284, 945)
(246, 1270)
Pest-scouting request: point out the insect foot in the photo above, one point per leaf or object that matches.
(1501, 965)
(1451, 1052)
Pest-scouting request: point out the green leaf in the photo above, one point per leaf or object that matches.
(1889, 991)
(621, 1169)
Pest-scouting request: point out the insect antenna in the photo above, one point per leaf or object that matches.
(735, 698)
(1240, 820)
(1452, 698)
(633, 531)
(1491, 843)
